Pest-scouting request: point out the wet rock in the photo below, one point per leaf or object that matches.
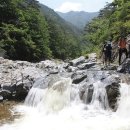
(112, 84)
(65, 65)
(113, 78)
(86, 65)
(5, 94)
(17, 77)
(1, 98)
(113, 94)
(47, 64)
(86, 93)
(77, 61)
(78, 77)
(124, 67)
(54, 71)
(72, 69)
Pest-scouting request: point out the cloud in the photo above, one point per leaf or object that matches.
(69, 6)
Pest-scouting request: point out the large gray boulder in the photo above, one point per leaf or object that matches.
(78, 77)
(86, 65)
(17, 77)
(77, 61)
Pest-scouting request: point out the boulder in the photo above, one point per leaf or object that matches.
(86, 65)
(17, 77)
(77, 61)
(124, 67)
(71, 69)
(110, 82)
(78, 77)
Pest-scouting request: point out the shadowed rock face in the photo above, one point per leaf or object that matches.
(111, 84)
(18, 77)
(124, 67)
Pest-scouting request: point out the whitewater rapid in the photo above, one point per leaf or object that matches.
(53, 109)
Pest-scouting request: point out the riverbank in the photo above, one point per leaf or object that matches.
(7, 114)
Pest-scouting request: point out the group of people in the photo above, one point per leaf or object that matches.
(122, 48)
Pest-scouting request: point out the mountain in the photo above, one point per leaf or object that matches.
(78, 18)
(64, 36)
(33, 32)
(51, 15)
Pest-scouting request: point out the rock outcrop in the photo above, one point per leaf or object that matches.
(17, 77)
(124, 67)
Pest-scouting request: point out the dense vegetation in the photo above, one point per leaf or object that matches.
(113, 21)
(64, 38)
(28, 34)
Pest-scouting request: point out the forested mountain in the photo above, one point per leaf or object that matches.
(51, 15)
(27, 33)
(113, 21)
(64, 37)
(78, 18)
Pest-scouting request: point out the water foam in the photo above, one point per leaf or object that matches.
(73, 115)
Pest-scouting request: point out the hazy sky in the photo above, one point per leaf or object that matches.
(75, 5)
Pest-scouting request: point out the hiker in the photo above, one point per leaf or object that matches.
(122, 48)
(107, 50)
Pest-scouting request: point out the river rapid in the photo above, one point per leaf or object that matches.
(59, 107)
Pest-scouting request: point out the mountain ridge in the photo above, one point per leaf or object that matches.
(78, 18)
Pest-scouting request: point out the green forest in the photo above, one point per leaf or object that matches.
(112, 23)
(33, 32)
(27, 33)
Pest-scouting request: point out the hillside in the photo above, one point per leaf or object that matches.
(78, 18)
(64, 37)
(51, 15)
(30, 31)
(113, 22)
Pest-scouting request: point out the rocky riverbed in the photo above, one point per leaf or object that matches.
(6, 113)
(18, 77)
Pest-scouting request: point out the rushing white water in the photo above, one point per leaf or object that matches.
(52, 109)
(99, 99)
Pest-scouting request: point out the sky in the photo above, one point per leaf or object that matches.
(75, 5)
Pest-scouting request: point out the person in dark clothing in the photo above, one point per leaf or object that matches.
(107, 53)
(122, 48)
(128, 42)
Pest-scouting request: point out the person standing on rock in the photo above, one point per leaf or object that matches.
(122, 48)
(107, 50)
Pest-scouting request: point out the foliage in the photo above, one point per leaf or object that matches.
(113, 21)
(64, 39)
(27, 34)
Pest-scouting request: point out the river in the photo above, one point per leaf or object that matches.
(55, 108)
